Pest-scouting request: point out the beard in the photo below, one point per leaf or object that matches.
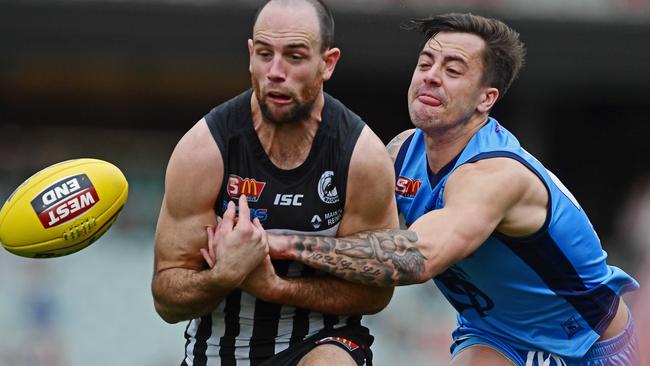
(299, 111)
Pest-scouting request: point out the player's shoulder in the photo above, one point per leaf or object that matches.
(370, 171)
(370, 152)
(396, 143)
(500, 168)
(195, 166)
(500, 176)
(196, 146)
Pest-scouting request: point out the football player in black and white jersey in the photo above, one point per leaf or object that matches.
(303, 163)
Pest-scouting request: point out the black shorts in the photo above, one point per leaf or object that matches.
(354, 339)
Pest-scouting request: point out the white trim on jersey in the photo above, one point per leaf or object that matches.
(327, 232)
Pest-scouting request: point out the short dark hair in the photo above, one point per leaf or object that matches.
(325, 21)
(504, 53)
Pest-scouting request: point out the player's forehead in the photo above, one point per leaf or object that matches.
(287, 22)
(465, 46)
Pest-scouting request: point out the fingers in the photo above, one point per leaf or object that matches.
(209, 254)
(228, 220)
(260, 229)
(258, 224)
(210, 234)
(207, 257)
(244, 217)
(212, 243)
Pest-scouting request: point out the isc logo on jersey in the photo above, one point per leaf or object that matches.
(65, 200)
(248, 186)
(407, 187)
(288, 199)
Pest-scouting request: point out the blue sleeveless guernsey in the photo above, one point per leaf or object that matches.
(550, 291)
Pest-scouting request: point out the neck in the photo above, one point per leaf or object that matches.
(287, 145)
(443, 146)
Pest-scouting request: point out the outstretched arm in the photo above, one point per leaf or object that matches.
(378, 258)
(476, 204)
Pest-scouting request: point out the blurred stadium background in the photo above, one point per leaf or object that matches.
(123, 80)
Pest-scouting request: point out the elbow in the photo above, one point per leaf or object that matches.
(382, 297)
(420, 269)
(163, 308)
(414, 268)
(166, 313)
(414, 278)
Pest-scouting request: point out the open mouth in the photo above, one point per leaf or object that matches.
(429, 100)
(279, 98)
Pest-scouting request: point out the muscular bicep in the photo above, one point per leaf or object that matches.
(192, 183)
(370, 200)
(477, 199)
(179, 238)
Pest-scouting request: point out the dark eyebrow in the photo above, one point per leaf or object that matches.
(297, 45)
(450, 58)
(262, 43)
(426, 53)
(446, 58)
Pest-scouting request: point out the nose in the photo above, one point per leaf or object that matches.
(277, 72)
(432, 75)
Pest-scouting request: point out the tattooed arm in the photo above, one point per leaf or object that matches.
(475, 206)
(400, 262)
(378, 258)
(396, 143)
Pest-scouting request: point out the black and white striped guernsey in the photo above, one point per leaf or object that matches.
(310, 198)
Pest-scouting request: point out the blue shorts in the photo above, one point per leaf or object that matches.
(621, 350)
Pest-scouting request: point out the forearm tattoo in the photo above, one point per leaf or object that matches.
(378, 258)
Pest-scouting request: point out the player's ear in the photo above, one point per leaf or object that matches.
(250, 54)
(330, 58)
(488, 98)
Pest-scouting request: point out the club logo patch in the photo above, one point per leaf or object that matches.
(65, 200)
(571, 327)
(327, 189)
(407, 187)
(248, 186)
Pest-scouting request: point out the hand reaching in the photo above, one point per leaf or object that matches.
(236, 245)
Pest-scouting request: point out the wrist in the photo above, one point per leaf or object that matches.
(273, 291)
(276, 291)
(280, 247)
(225, 277)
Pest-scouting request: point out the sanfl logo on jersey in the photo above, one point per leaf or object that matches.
(248, 186)
(327, 189)
(407, 187)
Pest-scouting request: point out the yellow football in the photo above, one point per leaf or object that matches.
(63, 208)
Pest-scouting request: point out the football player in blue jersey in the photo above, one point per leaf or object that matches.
(501, 236)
